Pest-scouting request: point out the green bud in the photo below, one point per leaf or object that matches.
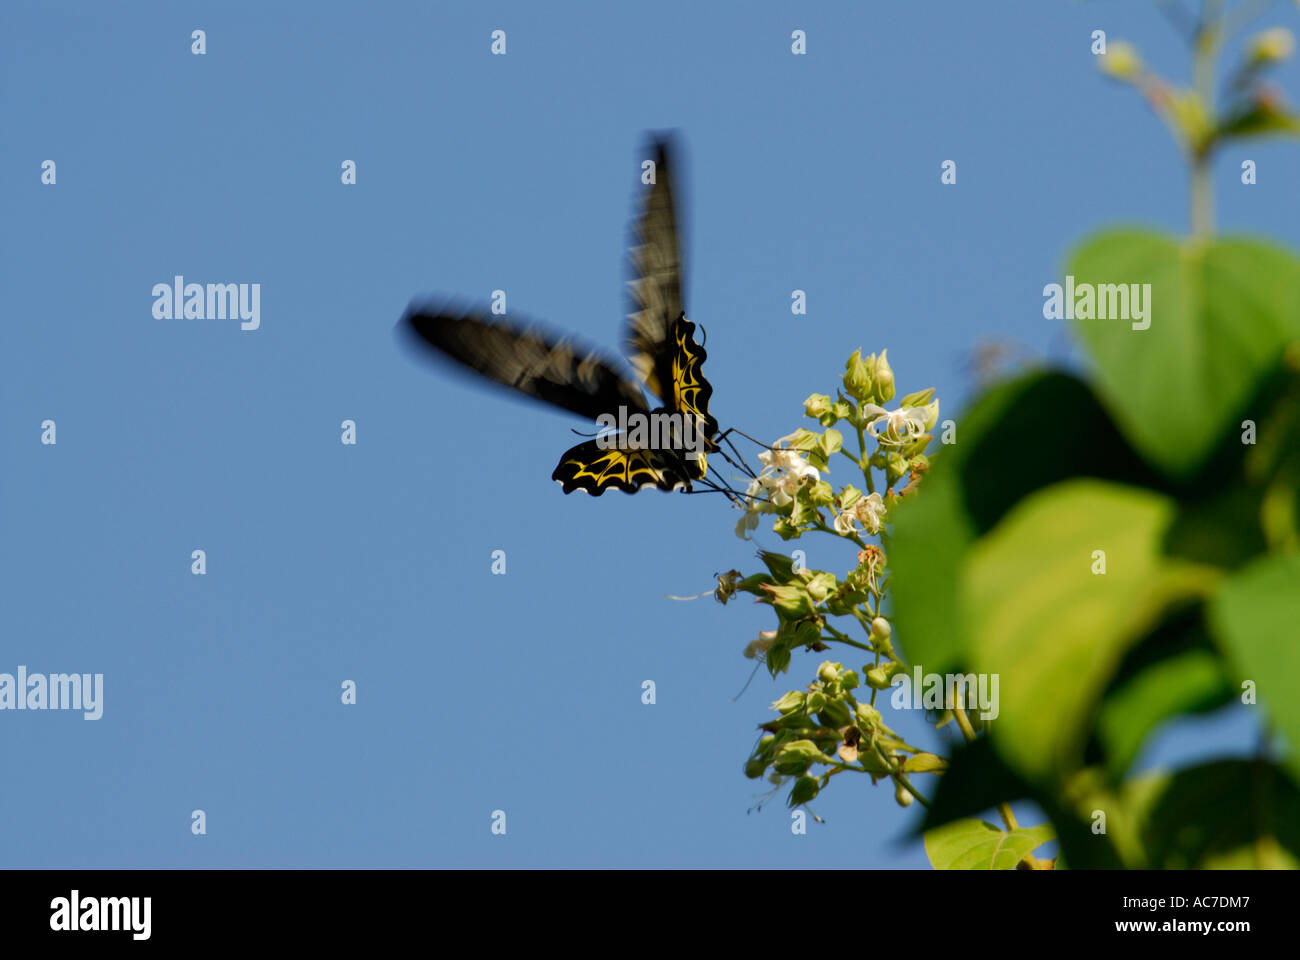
(849, 679)
(827, 671)
(832, 442)
(857, 377)
(804, 789)
(781, 566)
(1121, 62)
(901, 796)
(797, 756)
(804, 440)
(842, 410)
(1271, 46)
(786, 530)
(815, 702)
(849, 496)
(884, 379)
(880, 629)
(877, 678)
(872, 761)
(931, 415)
(820, 586)
(835, 714)
(895, 468)
(816, 405)
(868, 716)
(754, 767)
(918, 399)
(821, 494)
(807, 633)
(792, 701)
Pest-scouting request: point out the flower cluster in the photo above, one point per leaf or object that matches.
(825, 725)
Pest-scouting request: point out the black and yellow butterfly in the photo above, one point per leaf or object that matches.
(661, 348)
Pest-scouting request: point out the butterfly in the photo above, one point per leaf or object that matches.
(664, 447)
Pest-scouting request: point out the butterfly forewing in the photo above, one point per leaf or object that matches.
(655, 287)
(529, 359)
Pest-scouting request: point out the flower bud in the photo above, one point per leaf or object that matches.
(791, 702)
(884, 379)
(805, 789)
(857, 377)
(1121, 62)
(828, 671)
(901, 796)
(817, 405)
(930, 416)
(1271, 46)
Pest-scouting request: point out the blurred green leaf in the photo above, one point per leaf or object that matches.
(1009, 444)
(1220, 315)
(1256, 615)
(1054, 631)
(1227, 814)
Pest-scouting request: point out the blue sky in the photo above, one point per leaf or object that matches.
(372, 562)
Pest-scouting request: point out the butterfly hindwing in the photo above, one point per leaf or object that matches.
(690, 390)
(527, 358)
(587, 467)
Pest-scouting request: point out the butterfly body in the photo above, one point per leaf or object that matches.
(662, 353)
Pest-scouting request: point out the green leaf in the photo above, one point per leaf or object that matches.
(924, 763)
(976, 780)
(1051, 629)
(1256, 616)
(976, 845)
(1259, 120)
(1227, 814)
(1174, 670)
(971, 487)
(1220, 315)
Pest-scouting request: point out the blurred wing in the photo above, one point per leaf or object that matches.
(690, 391)
(587, 467)
(529, 359)
(655, 289)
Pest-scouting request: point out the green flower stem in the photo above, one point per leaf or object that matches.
(862, 453)
(896, 772)
(845, 638)
(1206, 43)
(820, 524)
(967, 731)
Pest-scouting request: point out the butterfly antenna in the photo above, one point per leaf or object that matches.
(752, 674)
(742, 465)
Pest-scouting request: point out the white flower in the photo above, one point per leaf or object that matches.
(747, 522)
(897, 427)
(869, 511)
(775, 487)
